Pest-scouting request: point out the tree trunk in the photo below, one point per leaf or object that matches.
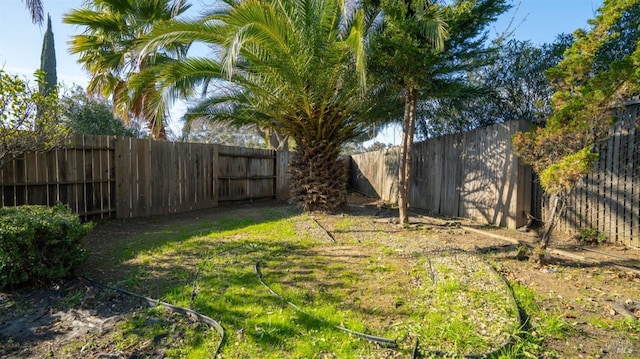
(274, 139)
(318, 177)
(157, 129)
(558, 201)
(406, 148)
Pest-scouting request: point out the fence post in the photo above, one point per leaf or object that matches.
(282, 176)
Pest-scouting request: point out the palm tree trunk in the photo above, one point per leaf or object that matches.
(157, 129)
(406, 148)
(318, 176)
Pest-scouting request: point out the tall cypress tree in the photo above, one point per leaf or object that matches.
(48, 61)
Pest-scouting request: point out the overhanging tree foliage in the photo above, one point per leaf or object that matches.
(109, 51)
(598, 73)
(93, 116)
(29, 119)
(36, 10)
(513, 87)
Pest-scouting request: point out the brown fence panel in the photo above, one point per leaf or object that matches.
(375, 174)
(81, 176)
(156, 178)
(283, 158)
(107, 176)
(246, 173)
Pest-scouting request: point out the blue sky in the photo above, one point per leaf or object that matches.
(21, 41)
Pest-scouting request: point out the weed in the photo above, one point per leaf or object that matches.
(74, 298)
(590, 236)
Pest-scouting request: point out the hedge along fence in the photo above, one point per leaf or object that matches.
(472, 175)
(107, 176)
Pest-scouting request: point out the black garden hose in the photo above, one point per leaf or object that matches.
(384, 342)
(331, 237)
(173, 308)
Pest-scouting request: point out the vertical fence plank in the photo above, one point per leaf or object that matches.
(634, 241)
(629, 183)
(608, 227)
(282, 178)
(123, 177)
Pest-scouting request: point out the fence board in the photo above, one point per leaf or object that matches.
(72, 176)
(629, 185)
(243, 173)
(281, 184)
(634, 241)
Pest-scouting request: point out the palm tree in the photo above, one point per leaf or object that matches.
(36, 10)
(294, 66)
(108, 50)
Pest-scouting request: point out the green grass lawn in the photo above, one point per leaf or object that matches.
(450, 302)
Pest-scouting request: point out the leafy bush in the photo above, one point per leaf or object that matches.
(590, 236)
(39, 243)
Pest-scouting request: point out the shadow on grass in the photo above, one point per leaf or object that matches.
(207, 264)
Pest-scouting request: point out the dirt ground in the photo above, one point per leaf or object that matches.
(592, 288)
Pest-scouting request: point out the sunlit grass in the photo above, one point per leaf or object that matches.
(366, 287)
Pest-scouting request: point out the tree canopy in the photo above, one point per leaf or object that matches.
(512, 87)
(93, 116)
(29, 119)
(424, 49)
(595, 76)
(109, 51)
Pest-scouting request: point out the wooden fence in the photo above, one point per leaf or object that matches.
(608, 199)
(477, 175)
(473, 175)
(106, 176)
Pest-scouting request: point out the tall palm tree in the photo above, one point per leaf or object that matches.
(294, 66)
(109, 51)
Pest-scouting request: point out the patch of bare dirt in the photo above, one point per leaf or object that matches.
(36, 322)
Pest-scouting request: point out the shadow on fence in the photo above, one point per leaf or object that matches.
(474, 175)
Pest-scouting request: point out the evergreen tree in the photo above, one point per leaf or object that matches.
(48, 61)
(598, 73)
(424, 48)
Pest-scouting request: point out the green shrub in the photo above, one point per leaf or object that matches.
(590, 236)
(39, 243)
